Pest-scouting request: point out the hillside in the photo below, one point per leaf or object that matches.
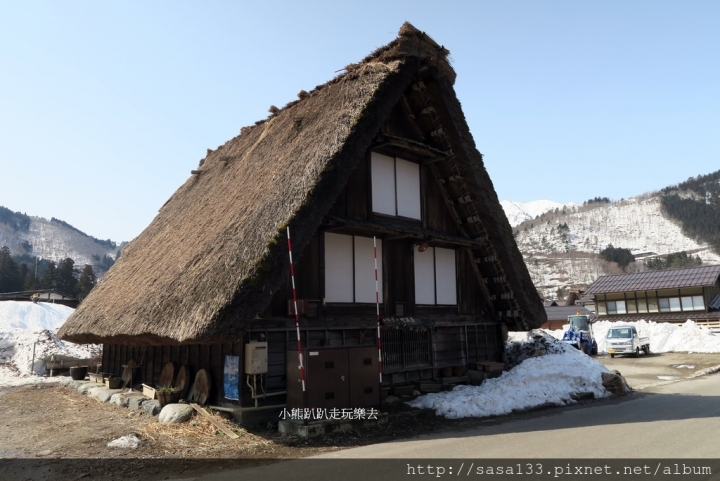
(51, 239)
(561, 247)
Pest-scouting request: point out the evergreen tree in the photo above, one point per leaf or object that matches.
(23, 274)
(622, 256)
(10, 280)
(66, 281)
(86, 282)
(30, 284)
(49, 277)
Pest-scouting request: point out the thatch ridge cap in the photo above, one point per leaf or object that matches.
(394, 50)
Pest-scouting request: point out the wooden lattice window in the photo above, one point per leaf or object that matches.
(405, 348)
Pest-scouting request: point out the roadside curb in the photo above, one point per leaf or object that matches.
(705, 372)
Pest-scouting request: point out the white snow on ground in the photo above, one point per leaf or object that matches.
(546, 379)
(552, 378)
(26, 327)
(664, 337)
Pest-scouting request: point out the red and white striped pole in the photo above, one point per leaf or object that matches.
(297, 317)
(377, 310)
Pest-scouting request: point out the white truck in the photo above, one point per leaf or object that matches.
(625, 340)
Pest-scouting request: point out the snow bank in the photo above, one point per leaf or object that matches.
(550, 378)
(35, 317)
(29, 331)
(664, 337)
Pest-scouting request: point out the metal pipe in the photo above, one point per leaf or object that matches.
(264, 395)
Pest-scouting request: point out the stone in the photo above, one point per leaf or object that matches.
(122, 399)
(152, 407)
(102, 394)
(392, 399)
(131, 441)
(175, 413)
(416, 393)
(136, 402)
(85, 387)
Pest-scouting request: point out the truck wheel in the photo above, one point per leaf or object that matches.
(612, 355)
(637, 352)
(646, 350)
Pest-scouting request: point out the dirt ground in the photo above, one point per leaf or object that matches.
(49, 432)
(656, 369)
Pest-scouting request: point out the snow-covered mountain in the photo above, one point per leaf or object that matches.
(561, 247)
(518, 212)
(50, 239)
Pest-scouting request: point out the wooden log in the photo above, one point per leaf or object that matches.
(202, 386)
(222, 428)
(167, 376)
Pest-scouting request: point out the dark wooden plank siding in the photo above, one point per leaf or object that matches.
(436, 215)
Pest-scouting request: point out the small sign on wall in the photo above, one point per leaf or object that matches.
(232, 378)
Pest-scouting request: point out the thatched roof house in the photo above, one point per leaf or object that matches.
(212, 258)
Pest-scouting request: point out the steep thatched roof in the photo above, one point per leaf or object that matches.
(215, 253)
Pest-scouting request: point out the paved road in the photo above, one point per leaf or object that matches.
(679, 419)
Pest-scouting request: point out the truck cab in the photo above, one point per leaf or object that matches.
(580, 335)
(626, 340)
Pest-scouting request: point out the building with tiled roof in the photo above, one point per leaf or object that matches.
(673, 295)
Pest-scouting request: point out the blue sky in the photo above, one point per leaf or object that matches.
(105, 107)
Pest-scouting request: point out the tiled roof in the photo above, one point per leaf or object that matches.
(665, 317)
(557, 313)
(650, 280)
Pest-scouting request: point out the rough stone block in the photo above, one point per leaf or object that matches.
(152, 407)
(175, 413)
(122, 399)
(136, 402)
(102, 394)
(86, 386)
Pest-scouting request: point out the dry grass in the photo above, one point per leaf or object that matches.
(200, 434)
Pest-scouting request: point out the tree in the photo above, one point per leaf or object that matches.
(10, 280)
(49, 278)
(30, 281)
(23, 274)
(66, 281)
(621, 256)
(672, 261)
(86, 282)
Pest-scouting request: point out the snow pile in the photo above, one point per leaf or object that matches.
(36, 317)
(532, 344)
(664, 336)
(554, 375)
(26, 327)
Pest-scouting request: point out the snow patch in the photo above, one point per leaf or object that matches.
(551, 378)
(28, 338)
